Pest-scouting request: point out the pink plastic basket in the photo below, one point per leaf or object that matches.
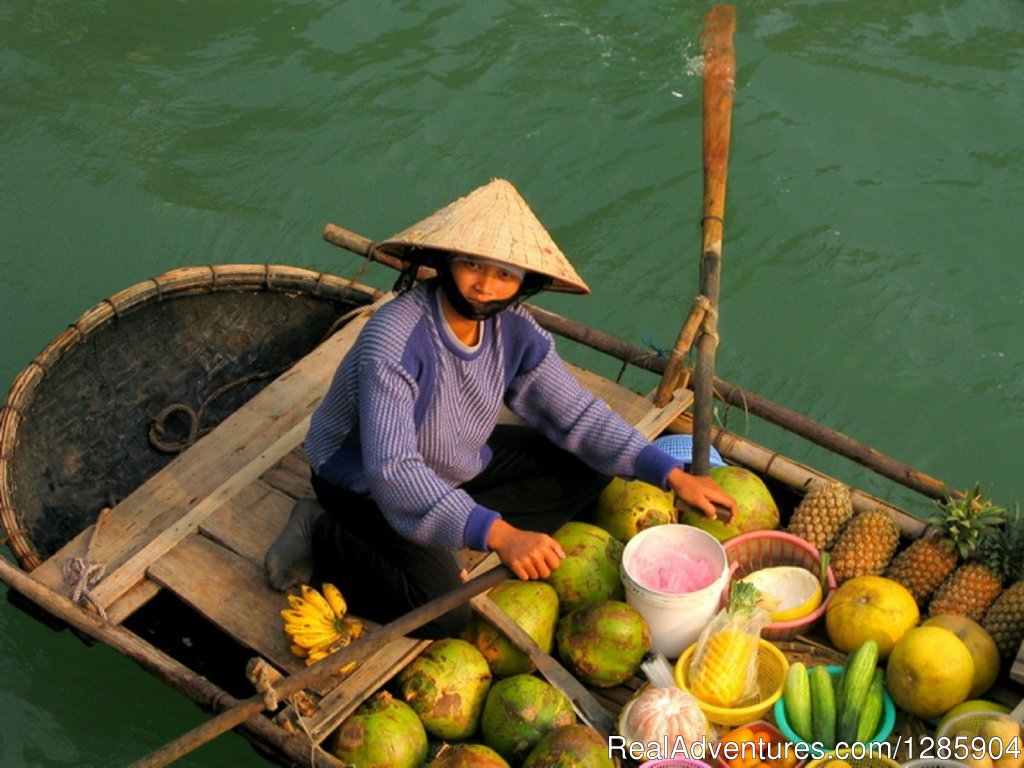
(673, 762)
(752, 551)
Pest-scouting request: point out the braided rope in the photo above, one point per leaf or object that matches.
(82, 574)
(709, 327)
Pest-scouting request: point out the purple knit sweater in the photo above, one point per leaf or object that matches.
(407, 417)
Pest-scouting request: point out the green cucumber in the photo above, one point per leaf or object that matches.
(796, 700)
(853, 689)
(823, 707)
(871, 711)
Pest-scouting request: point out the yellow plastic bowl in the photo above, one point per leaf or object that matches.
(871, 761)
(965, 726)
(771, 676)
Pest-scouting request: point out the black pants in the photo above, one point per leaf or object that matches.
(531, 482)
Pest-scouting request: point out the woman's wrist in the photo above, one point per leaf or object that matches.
(498, 534)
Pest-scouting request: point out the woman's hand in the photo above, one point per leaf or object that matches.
(530, 555)
(701, 493)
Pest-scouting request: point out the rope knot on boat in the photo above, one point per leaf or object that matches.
(83, 574)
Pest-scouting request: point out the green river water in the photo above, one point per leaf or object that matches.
(872, 274)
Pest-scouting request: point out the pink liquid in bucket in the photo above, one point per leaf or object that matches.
(663, 567)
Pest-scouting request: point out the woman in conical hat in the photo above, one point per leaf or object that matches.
(406, 452)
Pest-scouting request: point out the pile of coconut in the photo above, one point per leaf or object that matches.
(476, 700)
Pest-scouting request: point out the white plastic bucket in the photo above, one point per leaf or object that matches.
(675, 620)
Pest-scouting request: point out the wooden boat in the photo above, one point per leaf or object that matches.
(150, 454)
(178, 558)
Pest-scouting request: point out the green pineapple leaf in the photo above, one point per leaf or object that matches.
(967, 521)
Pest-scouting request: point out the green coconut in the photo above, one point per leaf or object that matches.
(533, 605)
(519, 711)
(603, 643)
(626, 507)
(467, 756)
(446, 686)
(383, 732)
(571, 746)
(757, 510)
(590, 570)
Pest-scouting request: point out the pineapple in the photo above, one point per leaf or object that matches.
(957, 527)
(866, 545)
(1004, 620)
(821, 514)
(975, 585)
(726, 658)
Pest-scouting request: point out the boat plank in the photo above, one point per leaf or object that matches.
(231, 592)
(656, 419)
(132, 600)
(1017, 668)
(291, 475)
(246, 511)
(631, 406)
(173, 502)
(131, 570)
(362, 683)
(248, 526)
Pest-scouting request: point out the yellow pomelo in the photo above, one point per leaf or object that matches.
(979, 642)
(788, 592)
(870, 608)
(929, 671)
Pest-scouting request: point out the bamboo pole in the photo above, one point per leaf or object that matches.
(197, 688)
(727, 392)
(671, 378)
(719, 81)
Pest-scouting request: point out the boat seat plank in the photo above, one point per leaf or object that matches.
(231, 592)
(291, 475)
(248, 526)
(631, 406)
(656, 420)
(173, 502)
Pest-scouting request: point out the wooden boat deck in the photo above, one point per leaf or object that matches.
(200, 527)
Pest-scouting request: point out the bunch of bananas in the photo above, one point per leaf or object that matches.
(316, 623)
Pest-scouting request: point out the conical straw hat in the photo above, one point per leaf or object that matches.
(494, 222)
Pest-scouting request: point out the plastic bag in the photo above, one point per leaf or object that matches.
(662, 712)
(723, 670)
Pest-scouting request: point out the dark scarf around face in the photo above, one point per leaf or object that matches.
(532, 283)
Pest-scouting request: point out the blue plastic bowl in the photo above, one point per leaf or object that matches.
(884, 727)
(680, 447)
